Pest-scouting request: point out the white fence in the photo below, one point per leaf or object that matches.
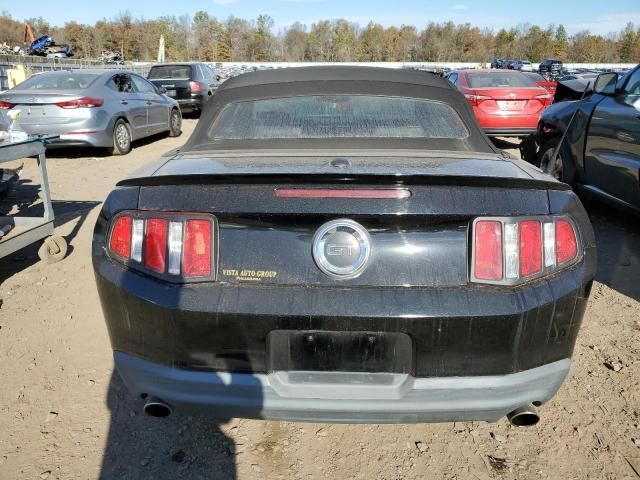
(450, 65)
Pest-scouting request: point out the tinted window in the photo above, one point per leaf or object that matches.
(208, 72)
(633, 84)
(453, 78)
(337, 116)
(142, 85)
(59, 81)
(498, 79)
(170, 71)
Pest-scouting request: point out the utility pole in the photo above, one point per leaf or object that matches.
(161, 50)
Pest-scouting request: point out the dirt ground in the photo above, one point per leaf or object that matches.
(64, 413)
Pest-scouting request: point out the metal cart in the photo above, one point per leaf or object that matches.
(28, 230)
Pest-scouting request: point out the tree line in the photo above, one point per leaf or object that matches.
(205, 37)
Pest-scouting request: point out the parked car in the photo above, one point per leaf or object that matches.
(343, 244)
(522, 65)
(551, 69)
(96, 108)
(549, 85)
(600, 153)
(190, 84)
(498, 63)
(505, 103)
(509, 64)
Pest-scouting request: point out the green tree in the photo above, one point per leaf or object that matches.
(262, 38)
(561, 43)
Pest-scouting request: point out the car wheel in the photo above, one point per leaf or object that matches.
(560, 167)
(121, 138)
(175, 123)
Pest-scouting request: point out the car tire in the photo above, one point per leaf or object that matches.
(121, 138)
(562, 168)
(175, 123)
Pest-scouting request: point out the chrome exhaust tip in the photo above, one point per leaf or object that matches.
(154, 407)
(525, 416)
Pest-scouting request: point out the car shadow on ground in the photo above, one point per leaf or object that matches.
(24, 201)
(178, 446)
(618, 240)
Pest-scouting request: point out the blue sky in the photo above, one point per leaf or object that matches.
(599, 17)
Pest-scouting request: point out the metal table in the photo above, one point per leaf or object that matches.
(28, 230)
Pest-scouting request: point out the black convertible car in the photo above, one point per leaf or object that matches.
(343, 244)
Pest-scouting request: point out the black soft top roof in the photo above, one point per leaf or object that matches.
(335, 73)
(336, 80)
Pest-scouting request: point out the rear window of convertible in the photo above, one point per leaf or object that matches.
(331, 116)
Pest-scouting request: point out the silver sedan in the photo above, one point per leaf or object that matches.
(99, 108)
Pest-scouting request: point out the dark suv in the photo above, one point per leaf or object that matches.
(551, 69)
(190, 84)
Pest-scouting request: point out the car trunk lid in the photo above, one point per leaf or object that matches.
(511, 100)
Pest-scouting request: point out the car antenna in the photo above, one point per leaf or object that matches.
(566, 130)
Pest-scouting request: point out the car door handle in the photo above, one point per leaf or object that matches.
(124, 102)
(149, 102)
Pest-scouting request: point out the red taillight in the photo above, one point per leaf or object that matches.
(488, 250)
(196, 260)
(530, 247)
(173, 246)
(155, 244)
(566, 243)
(195, 87)
(476, 99)
(509, 251)
(120, 241)
(84, 102)
(544, 98)
(6, 105)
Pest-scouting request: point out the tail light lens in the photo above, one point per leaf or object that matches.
(476, 99)
(488, 250)
(197, 249)
(120, 239)
(6, 105)
(510, 251)
(84, 102)
(195, 87)
(176, 247)
(155, 244)
(566, 243)
(545, 98)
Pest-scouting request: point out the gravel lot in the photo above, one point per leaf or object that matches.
(64, 413)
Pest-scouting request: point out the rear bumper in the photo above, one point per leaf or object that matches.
(509, 132)
(193, 104)
(404, 399)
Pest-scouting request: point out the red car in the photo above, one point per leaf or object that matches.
(505, 102)
(548, 85)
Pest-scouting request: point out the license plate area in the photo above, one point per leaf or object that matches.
(510, 105)
(332, 351)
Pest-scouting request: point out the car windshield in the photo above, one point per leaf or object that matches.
(499, 79)
(170, 71)
(331, 116)
(58, 81)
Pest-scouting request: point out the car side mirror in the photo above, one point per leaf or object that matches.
(162, 90)
(218, 77)
(605, 83)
